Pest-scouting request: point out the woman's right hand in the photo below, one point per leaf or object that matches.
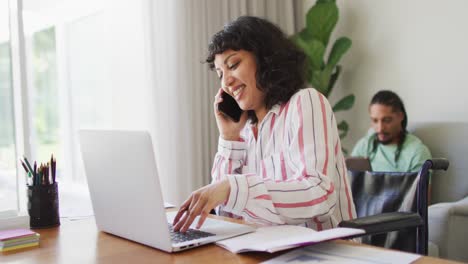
(228, 129)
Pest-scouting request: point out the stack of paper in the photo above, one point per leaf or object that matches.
(18, 238)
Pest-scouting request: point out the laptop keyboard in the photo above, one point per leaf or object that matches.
(190, 234)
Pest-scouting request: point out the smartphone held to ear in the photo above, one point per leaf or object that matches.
(229, 107)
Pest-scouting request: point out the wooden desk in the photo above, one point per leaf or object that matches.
(79, 241)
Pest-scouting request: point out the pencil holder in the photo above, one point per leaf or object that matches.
(43, 206)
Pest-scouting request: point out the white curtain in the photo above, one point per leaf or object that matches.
(183, 126)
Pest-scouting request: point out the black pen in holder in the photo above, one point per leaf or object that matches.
(43, 206)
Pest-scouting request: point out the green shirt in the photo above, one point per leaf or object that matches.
(412, 155)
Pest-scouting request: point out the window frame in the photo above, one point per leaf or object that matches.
(21, 111)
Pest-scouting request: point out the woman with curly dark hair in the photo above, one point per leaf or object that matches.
(281, 163)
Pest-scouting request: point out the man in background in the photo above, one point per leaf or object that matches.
(388, 145)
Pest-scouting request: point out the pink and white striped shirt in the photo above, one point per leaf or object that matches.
(293, 173)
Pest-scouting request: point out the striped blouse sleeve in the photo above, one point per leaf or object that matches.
(229, 159)
(303, 188)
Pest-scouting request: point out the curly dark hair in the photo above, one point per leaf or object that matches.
(281, 65)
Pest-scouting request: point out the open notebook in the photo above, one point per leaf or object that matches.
(276, 238)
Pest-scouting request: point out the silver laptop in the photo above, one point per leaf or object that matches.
(126, 194)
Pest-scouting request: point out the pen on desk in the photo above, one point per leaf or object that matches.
(39, 175)
(24, 166)
(28, 172)
(46, 173)
(53, 167)
(42, 175)
(34, 168)
(51, 180)
(40, 172)
(28, 179)
(27, 163)
(34, 178)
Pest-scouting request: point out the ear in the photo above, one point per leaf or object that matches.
(400, 116)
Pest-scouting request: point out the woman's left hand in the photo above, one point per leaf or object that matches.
(228, 129)
(200, 203)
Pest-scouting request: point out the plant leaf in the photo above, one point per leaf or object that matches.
(321, 20)
(314, 80)
(325, 1)
(306, 34)
(343, 128)
(333, 79)
(314, 50)
(320, 80)
(340, 47)
(344, 104)
(345, 151)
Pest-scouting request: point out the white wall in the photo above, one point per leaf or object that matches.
(416, 48)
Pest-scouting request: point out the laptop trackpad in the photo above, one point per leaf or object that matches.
(216, 226)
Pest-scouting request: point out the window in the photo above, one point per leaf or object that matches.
(64, 87)
(59, 64)
(80, 74)
(8, 183)
(45, 111)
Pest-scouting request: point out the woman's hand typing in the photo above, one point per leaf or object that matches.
(200, 203)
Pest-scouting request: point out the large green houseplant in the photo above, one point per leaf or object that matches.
(314, 39)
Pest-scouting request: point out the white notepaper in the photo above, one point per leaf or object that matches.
(168, 205)
(343, 253)
(276, 238)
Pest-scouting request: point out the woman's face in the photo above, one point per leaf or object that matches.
(236, 70)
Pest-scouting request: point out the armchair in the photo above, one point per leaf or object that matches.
(448, 216)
